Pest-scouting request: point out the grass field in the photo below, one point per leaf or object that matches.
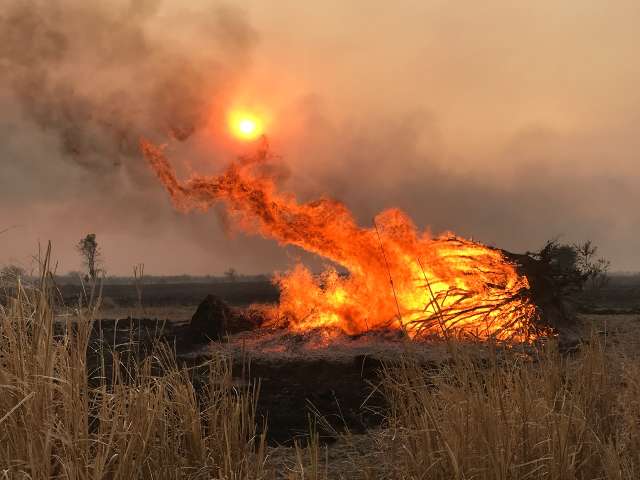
(500, 414)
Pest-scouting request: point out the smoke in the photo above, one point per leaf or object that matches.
(81, 83)
(509, 124)
(96, 78)
(539, 184)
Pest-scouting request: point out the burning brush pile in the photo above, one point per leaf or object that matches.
(398, 278)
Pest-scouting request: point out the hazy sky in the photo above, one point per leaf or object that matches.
(509, 122)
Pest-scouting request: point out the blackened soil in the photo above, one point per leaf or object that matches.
(161, 295)
(293, 391)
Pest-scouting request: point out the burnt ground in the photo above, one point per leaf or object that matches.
(302, 377)
(179, 294)
(334, 379)
(620, 295)
(293, 391)
(307, 375)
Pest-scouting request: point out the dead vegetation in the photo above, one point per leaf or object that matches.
(506, 414)
(516, 416)
(59, 420)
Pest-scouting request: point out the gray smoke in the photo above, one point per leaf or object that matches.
(94, 76)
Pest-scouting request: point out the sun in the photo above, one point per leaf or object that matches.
(245, 125)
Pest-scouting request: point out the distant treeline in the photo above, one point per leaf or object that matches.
(76, 278)
(624, 278)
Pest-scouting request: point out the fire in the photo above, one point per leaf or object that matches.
(245, 125)
(397, 277)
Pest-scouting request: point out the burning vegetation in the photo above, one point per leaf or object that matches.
(397, 278)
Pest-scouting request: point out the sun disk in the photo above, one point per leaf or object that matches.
(245, 126)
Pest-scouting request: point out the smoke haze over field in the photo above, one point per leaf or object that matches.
(511, 124)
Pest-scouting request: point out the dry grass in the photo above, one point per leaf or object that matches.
(146, 421)
(516, 417)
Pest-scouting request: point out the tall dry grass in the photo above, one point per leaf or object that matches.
(59, 420)
(515, 416)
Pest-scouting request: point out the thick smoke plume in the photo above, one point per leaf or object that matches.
(98, 78)
(80, 82)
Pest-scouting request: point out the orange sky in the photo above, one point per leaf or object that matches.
(505, 122)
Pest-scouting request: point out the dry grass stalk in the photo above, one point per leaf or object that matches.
(57, 420)
(514, 417)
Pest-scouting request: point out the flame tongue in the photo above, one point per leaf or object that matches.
(397, 277)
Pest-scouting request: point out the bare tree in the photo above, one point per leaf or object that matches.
(594, 269)
(91, 255)
(231, 275)
(575, 266)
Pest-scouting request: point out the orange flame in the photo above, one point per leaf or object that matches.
(398, 277)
